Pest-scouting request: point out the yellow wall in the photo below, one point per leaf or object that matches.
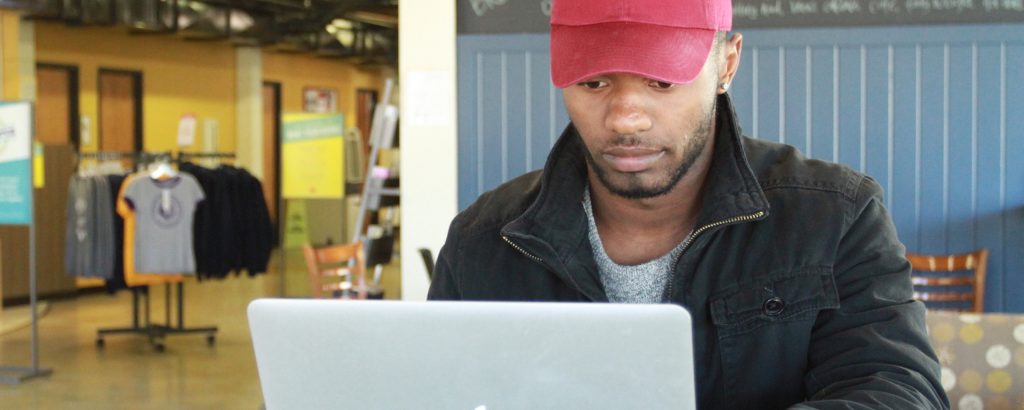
(298, 71)
(178, 77)
(10, 57)
(182, 77)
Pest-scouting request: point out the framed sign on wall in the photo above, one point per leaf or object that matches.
(319, 100)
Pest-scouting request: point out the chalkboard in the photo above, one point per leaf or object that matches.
(503, 16)
(531, 16)
(833, 13)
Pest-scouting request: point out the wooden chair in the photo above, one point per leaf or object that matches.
(970, 269)
(428, 262)
(336, 270)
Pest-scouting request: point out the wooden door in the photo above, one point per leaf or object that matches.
(271, 146)
(49, 204)
(14, 264)
(56, 116)
(366, 101)
(120, 110)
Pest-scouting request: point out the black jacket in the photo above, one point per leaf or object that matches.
(798, 286)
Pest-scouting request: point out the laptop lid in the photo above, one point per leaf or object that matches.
(471, 355)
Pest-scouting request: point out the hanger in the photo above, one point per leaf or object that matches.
(162, 171)
(86, 169)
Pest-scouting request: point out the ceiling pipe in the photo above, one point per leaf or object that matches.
(286, 25)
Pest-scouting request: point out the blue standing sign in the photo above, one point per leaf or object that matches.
(15, 163)
(16, 209)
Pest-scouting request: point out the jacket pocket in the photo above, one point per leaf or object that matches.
(764, 330)
(792, 297)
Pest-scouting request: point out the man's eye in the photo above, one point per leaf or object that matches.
(662, 85)
(593, 85)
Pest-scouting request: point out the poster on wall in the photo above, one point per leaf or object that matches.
(187, 130)
(15, 163)
(312, 155)
(319, 100)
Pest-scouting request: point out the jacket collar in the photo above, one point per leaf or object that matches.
(554, 226)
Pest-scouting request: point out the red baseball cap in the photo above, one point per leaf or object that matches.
(665, 40)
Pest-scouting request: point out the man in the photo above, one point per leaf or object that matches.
(791, 268)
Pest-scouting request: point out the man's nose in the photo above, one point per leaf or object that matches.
(627, 114)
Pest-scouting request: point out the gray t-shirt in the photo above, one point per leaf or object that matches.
(164, 212)
(643, 283)
(89, 235)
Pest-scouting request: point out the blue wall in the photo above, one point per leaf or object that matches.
(935, 114)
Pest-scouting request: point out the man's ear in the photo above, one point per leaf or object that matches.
(733, 47)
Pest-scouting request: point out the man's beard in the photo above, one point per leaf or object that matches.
(634, 189)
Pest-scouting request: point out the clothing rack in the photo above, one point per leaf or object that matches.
(143, 325)
(103, 155)
(158, 332)
(222, 155)
(214, 156)
(137, 157)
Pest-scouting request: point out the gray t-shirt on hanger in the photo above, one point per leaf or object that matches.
(89, 235)
(164, 212)
(78, 243)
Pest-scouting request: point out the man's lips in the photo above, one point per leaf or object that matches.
(631, 159)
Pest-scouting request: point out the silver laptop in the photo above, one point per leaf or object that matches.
(329, 354)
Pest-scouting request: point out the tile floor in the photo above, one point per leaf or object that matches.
(128, 373)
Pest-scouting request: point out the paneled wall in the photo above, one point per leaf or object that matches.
(509, 113)
(934, 113)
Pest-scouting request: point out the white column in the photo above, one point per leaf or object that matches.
(249, 109)
(428, 128)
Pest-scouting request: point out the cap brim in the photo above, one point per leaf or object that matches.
(671, 54)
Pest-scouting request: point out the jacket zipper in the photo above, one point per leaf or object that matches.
(536, 259)
(509, 241)
(686, 244)
(693, 236)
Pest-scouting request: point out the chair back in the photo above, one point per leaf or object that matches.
(950, 279)
(428, 262)
(336, 270)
